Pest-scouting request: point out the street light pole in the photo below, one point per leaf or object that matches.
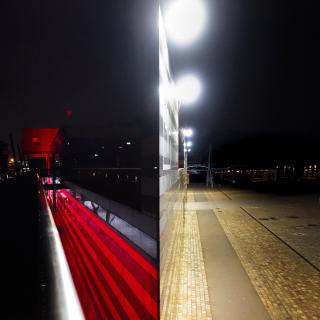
(185, 154)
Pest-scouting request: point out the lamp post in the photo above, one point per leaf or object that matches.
(186, 133)
(184, 22)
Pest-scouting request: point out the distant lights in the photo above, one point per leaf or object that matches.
(128, 143)
(174, 133)
(187, 133)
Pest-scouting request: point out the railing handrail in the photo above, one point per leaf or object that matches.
(63, 301)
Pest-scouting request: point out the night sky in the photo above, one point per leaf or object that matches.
(258, 62)
(97, 59)
(259, 65)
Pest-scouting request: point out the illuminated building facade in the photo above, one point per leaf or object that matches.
(171, 184)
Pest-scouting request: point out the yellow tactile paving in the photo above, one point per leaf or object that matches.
(183, 284)
(288, 286)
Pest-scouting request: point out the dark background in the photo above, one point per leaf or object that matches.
(91, 69)
(259, 65)
(97, 60)
(258, 62)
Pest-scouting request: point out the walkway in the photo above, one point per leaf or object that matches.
(240, 255)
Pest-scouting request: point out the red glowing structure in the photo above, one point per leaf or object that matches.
(112, 279)
(41, 143)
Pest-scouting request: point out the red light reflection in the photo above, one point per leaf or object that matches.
(113, 280)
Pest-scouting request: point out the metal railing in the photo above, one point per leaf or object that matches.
(119, 184)
(63, 302)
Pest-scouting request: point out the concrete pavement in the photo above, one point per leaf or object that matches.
(232, 295)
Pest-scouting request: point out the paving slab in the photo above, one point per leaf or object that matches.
(232, 295)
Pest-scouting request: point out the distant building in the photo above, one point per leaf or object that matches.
(112, 146)
(39, 145)
(4, 153)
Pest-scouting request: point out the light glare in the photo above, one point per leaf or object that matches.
(188, 89)
(185, 20)
(187, 132)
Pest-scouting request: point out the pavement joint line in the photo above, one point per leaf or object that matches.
(226, 194)
(287, 284)
(280, 239)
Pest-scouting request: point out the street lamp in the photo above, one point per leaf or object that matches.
(186, 133)
(188, 89)
(185, 20)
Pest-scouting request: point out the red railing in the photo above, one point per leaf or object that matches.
(112, 279)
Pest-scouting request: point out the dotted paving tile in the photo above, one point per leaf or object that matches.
(287, 285)
(299, 230)
(183, 284)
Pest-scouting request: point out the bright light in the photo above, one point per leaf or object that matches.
(189, 150)
(167, 92)
(128, 143)
(187, 133)
(185, 20)
(188, 89)
(189, 144)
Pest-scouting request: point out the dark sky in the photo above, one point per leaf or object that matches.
(98, 59)
(258, 61)
(259, 64)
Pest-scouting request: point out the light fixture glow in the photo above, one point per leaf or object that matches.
(185, 20)
(167, 92)
(128, 143)
(187, 133)
(189, 144)
(188, 89)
